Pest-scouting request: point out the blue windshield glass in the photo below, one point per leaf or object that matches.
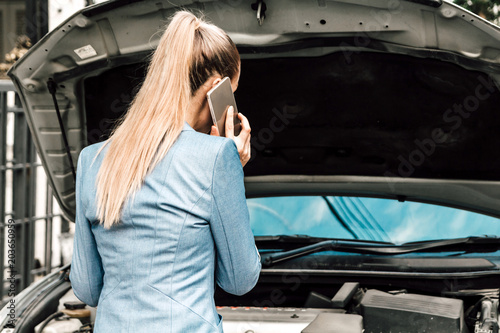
(365, 218)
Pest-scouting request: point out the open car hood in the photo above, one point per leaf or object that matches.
(394, 99)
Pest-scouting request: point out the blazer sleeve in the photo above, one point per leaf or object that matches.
(238, 261)
(86, 273)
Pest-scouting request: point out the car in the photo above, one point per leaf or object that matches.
(374, 183)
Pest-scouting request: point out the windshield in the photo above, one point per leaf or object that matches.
(365, 218)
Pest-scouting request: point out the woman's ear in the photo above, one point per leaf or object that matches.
(216, 81)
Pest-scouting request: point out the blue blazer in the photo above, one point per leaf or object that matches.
(186, 229)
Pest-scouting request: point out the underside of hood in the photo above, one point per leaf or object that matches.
(382, 98)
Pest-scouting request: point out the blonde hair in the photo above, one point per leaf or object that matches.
(189, 52)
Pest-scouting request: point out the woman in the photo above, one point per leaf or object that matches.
(161, 213)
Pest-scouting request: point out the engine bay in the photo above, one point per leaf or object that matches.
(352, 309)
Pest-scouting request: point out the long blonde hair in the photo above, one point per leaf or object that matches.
(189, 52)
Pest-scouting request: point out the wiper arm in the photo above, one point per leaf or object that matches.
(289, 242)
(378, 248)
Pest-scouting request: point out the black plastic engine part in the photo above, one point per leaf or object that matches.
(335, 323)
(344, 295)
(411, 313)
(339, 301)
(317, 301)
(74, 305)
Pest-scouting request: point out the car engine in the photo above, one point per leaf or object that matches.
(352, 309)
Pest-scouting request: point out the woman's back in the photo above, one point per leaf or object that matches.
(188, 220)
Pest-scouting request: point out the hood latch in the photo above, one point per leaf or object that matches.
(260, 7)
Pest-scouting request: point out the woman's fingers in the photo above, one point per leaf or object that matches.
(247, 143)
(243, 139)
(249, 149)
(247, 140)
(214, 131)
(245, 157)
(245, 126)
(230, 123)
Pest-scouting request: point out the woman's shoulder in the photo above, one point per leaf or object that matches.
(93, 148)
(204, 143)
(89, 153)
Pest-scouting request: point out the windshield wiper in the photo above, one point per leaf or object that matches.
(364, 247)
(289, 242)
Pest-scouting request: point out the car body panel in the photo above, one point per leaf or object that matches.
(106, 36)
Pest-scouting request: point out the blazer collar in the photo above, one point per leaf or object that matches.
(187, 127)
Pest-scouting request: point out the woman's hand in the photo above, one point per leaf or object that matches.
(242, 140)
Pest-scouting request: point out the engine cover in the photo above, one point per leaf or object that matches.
(411, 313)
(289, 320)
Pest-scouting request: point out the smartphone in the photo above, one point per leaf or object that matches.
(220, 98)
